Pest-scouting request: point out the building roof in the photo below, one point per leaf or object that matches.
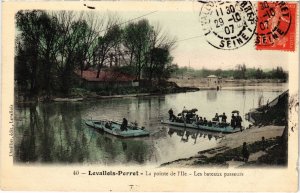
(212, 76)
(91, 75)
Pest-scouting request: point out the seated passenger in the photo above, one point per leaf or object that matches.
(135, 125)
(204, 121)
(200, 122)
(216, 118)
(124, 125)
(209, 123)
(108, 125)
(188, 117)
(224, 118)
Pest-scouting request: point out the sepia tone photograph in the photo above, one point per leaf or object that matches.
(208, 87)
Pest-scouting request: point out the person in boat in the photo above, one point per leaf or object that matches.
(216, 118)
(224, 118)
(183, 111)
(196, 118)
(233, 121)
(134, 125)
(200, 122)
(183, 116)
(188, 117)
(204, 121)
(209, 123)
(171, 114)
(124, 125)
(108, 125)
(239, 121)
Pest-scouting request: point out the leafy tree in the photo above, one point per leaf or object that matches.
(138, 45)
(106, 43)
(36, 46)
(259, 74)
(69, 52)
(240, 72)
(50, 46)
(161, 60)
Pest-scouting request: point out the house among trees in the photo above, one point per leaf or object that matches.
(214, 81)
(108, 78)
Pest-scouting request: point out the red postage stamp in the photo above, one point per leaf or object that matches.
(276, 26)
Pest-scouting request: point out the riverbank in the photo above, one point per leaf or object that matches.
(172, 86)
(81, 94)
(272, 151)
(232, 84)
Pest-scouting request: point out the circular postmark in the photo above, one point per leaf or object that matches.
(228, 25)
(273, 23)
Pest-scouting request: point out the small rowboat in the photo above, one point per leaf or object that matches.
(214, 127)
(115, 129)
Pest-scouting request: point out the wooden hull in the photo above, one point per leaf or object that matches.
(227, 129)
(115, 129)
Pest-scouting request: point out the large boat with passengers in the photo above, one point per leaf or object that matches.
(189, 119)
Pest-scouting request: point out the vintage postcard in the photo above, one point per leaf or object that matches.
(181, 96)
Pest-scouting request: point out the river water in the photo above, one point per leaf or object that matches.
(56, 133)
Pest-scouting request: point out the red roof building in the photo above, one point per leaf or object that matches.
(88, 79)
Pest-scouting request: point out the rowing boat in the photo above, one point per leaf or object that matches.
(114, 128)
(214, 127)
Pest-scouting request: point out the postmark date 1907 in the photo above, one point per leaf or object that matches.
(228, 25)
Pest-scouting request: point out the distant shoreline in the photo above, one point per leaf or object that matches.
(94, 96)
(201, 83)
(182, 86)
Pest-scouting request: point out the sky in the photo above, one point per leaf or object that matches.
(198, 53)
(192, 48)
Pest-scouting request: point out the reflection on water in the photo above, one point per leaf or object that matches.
(56, 133)
(192, 134)
(212, 95)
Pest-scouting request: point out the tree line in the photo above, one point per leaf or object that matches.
(240, 72)
(50, 46)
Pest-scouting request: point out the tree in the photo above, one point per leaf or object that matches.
(49, 36)
(278, 73)
(36, 48)
(50, 46)
(94, 25)
(159, 55)
(72, 49)
(129, 43)
(137, 42)
(240, 72)
(218, 72)
(146, 46)
(161, 60)
(259, 74)
(106, 43)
